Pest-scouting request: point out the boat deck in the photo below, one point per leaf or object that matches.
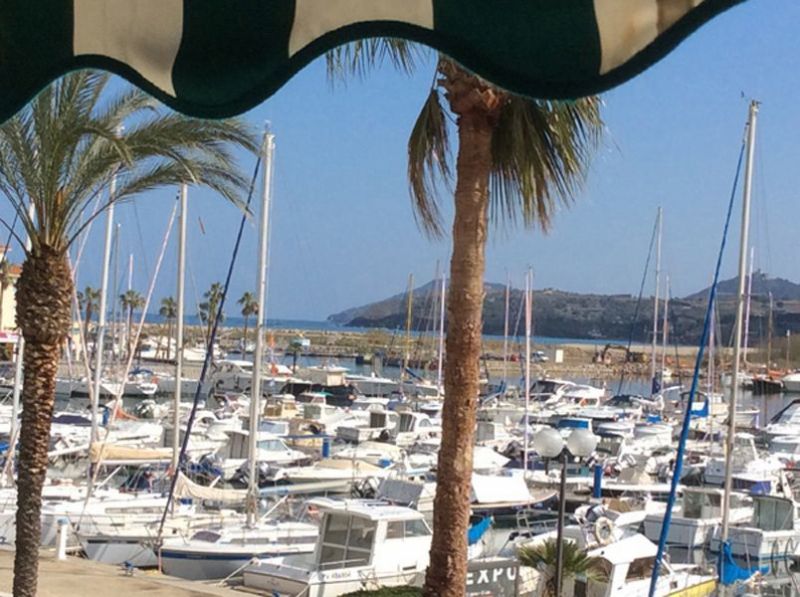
(80, 577)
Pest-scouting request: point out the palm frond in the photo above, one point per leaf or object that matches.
(361, 57)
(62, 150)
(429, 163)
(541, 151)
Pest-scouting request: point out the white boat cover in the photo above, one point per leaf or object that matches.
(186, 488)
(487, 489)
(111, 452)
(484, 458)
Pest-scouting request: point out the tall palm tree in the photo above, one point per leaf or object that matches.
(6, 279)
(517, 158)
(56, 156)
(209, 307)
(131, 301)
(88, 301)
(574, 562)
(249, 308)
(169, 311)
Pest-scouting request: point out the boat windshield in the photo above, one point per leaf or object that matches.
(271, 445)
(346, 541)
(790, 415)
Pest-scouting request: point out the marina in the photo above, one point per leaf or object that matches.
(457, 410)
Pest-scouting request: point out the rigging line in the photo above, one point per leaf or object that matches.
(117, 402)
(676, 473)
(209, 350)
(141, 240)
(638, 307)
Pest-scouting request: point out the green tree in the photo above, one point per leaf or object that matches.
(517, 158)
(574, 562)
(56, 156)
(131, 301)
(249, 308)
(169, 311)
(88, 301)
(209, 307)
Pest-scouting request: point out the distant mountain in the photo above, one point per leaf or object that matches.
(781, 289)
(589, 316)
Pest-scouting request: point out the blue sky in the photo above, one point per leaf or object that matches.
(342, 226)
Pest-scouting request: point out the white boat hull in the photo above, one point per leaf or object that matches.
(137, 551)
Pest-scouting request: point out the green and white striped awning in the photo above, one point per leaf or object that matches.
(221, 57)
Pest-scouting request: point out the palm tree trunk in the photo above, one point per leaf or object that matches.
(244, 344)
(43, 312)
(447, 572)
(130, 329)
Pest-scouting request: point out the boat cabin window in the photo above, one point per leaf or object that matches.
(207, 536)
(347, 541)
(697, 504)
(399, 529)
(641, 568)
(774, 515)
(406, 422)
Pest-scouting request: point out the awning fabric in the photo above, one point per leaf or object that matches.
(221, 57)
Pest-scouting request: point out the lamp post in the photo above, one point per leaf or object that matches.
(549, 444)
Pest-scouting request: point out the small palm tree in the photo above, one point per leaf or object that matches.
(249, 308)
(574, 562)
(169, 311)
(131, 301)
(6, 279)
(517, 158)
(209, 307)
(56, 156)
(88, 301)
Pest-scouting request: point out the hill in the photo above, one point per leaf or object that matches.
(563, 314)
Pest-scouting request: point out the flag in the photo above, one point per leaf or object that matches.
(221, 57)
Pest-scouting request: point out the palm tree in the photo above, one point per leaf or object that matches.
(6, 279)
(249, 308)
(88, 301)
(574, 562)
(517, 158)
(209, 307)
(169, 311)
(56, 156)
(131, 301)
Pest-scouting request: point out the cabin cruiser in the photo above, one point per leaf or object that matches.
(362, 544)
(237, 376)
(270, 450)
(699, 517)
(750, 471)
(773, 532)
(627, 567)
(786, 422)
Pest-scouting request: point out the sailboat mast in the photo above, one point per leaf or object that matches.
(179, 316)
(101, 316)
(665, 328)
(737, 346)
(261, 282)
(409, 315)
(769, 332)
(440, 368)
(747, 306)
(505, 329)
(655, 302)
(528, 318)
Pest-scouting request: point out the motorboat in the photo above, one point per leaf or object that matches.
(627, 567)
(771, 535)
(699, 517)
(362, 544)
(223, 550)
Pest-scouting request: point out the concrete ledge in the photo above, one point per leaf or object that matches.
(80, 577)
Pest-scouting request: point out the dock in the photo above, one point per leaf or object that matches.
(80, 577)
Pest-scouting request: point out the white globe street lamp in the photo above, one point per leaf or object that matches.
(549, 444)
